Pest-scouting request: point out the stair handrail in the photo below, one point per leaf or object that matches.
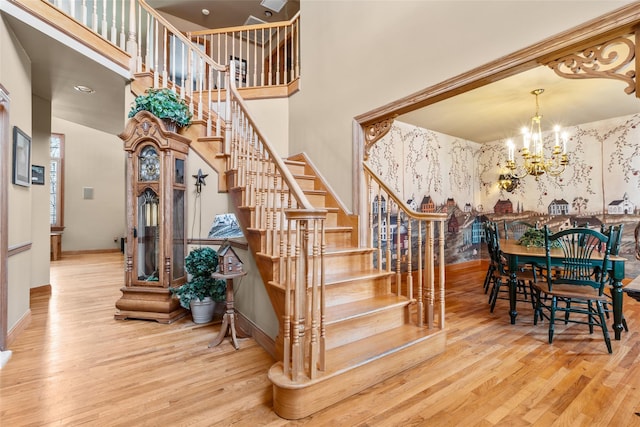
(273, 193)
(277, 160)
(293, 232)
(271, 50)
(429, 218)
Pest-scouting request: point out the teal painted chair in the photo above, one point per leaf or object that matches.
(574, 282)
(500, 276)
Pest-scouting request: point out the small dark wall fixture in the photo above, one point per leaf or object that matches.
(37, 175)
(21, 158)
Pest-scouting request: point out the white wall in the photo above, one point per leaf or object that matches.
(96, 160)
(15, 76)
(604, 164)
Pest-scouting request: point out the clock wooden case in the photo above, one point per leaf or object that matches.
(156, 211)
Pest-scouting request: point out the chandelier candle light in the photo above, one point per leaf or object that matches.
(535, 163)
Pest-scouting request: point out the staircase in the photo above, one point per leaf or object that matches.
(347, 320)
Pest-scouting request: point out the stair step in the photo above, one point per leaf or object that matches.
(295, 167)
(349, 287)
(317, 198)
(354, 276)
(355, 367)
(337, 260)
(366, 307)
(306, 182)
(357, 320)
(335, 237)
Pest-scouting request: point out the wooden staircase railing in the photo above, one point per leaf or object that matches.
(405, 244)
(292, 231)
(268, 54)
(349, 316)
(265, 54)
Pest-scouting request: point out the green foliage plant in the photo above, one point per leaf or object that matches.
(534, 237)
(200, 263)
(164, 104)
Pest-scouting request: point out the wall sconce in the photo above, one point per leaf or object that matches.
(508, 183)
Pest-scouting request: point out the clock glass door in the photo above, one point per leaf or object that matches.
(148, 249)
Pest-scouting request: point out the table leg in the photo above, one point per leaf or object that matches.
(616, 296)
(223, 331)
(228, 321)
(513, 287)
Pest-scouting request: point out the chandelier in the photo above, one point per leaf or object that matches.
(533, 153)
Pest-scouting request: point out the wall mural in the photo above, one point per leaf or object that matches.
(601, 184)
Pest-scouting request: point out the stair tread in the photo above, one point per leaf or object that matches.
(330, 229)
(344, 251)
(294, 162)
(350, 276)
(358, 308)
(374, 347)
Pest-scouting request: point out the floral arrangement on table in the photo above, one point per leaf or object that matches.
(535, 237)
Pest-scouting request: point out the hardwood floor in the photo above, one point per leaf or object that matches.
(76, 365)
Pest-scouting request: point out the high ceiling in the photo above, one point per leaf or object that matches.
(500, 109)
(227, 13)
(492, 112)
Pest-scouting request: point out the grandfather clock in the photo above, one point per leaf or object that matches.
(156, 230)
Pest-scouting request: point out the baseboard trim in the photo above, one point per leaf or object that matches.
(19, 327)
(250, 328)
(91, 251)
(451, 268)
(44, 290)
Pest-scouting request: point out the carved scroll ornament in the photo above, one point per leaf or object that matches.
(373, 133)
(606, 60)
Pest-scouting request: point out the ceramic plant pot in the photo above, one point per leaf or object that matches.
(202, 311)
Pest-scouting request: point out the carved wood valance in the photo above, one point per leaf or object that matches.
(612, 59)
(373, 132)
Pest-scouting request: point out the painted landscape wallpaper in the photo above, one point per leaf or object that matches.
(600, 185)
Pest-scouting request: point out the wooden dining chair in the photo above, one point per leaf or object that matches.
(500, 273)
(573, 282)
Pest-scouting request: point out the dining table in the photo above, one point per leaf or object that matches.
(519, 255)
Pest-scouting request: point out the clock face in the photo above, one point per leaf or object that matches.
(149, 164)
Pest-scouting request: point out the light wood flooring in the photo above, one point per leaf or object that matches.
(76, 365)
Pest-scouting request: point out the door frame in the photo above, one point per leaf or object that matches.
(5, 141)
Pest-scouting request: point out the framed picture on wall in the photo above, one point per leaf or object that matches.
(37, 175)
(241, 68)
(21, 158)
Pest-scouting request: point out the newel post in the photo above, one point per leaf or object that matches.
(308, 305)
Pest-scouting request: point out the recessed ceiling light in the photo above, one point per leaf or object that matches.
(84, 89)
(205, 12)
(268, 13)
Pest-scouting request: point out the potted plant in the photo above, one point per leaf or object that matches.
(165, 104)
(202, 291)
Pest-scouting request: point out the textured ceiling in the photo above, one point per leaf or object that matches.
(499, 110)
(223, 13)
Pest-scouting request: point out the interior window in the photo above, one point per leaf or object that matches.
(56, 180)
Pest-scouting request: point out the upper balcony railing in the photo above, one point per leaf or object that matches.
(266, 55)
